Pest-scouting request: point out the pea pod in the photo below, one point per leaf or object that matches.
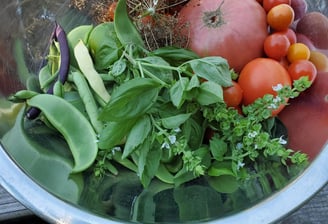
(74, 127)
(86, 66)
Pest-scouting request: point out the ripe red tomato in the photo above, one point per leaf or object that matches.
(300, 68)
(269, 4)
(290, 34)
(232, 29)
(259, 77)
(276, 46)
(233, 95)
(280, 17)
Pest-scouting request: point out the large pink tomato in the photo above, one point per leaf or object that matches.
(233, 29)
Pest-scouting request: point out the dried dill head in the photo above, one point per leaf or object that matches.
(156, 20)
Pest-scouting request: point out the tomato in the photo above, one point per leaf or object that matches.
(232, 29)
(306, 118)
(276, 46)
(301, 68)
(298, 51)
(233, 95)
(320, 61)
(259, 77)
(269, 4)
(111, 11)
(280, 17)
(290, 34)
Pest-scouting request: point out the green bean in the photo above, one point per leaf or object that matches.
(85, 63)
(88, 100)
(75, 128)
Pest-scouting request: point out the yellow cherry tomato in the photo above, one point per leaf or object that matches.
(298, 51)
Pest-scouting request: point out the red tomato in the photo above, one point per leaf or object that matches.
(233, 95)
(306, 118)
(300, 68)
(276, 46)
(259, 77)
(269, 4)
(233, 29)
(280, 17)
(290, 34)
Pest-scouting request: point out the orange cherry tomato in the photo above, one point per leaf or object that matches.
(233, 95)
(298, 51)
(280, 17)
(259, 77)
(269, 4)
(276, 46)
(301, 68)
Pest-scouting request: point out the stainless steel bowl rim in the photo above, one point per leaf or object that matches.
(55, 210)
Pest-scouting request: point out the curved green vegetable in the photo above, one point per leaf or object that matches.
(76, 129)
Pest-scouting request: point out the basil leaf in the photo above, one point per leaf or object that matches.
(215, 69)
(175, 121)
(218, 148)
(114, 132)
(177, 92)
(209, 93)
(148, 162)
(131, 99)
(137, 135)
(104, 45)
(175, 56)
(154, 65)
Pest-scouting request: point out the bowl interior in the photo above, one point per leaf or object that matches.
(24, 40)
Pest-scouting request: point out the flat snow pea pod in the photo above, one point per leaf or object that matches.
(74, 127)
(85, 63)
(126, 31)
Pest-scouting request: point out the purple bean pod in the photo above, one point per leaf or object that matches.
(60, 36)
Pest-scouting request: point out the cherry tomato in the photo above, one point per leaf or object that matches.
(269, 4)
(111, 11)
(280, 17)
(320, 61)
(259, 77)
(298, 51)
(301, 68)
(233, 95)
(290, 34)
(276, 46)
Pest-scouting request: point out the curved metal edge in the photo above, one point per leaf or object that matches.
(287, 200)
(54, 210)
(38, 200)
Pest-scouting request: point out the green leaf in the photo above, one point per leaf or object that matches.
(209, 93)
(126, 31)
(114, 132)
(175, 121)
(218, 148)
(220, 168)
(118, 68)
(148, 162)
(177, 92)
(224, 183)
(215, 69)
(130, 100)
(173, 55)
(139, 132)
(156, 66)
(104, 45)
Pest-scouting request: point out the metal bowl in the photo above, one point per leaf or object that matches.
(30, 21)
